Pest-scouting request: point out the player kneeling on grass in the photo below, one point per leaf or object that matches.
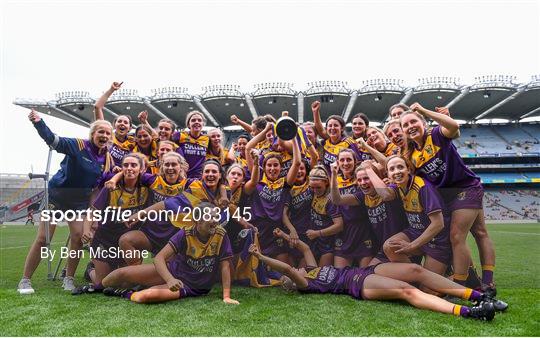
(187, 266)
(382, 282)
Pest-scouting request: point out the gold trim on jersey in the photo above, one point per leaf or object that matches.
(391, 149)
(428, 151)
(373, 201)
(126, 200)
(299, 189)
(197, 250)
(263, 145)
(275, 185)
(334, 149)
(236, 196)
(313, 273)
(221, 157)
(411, 199)
(153, 150)
(161, 186)
(203, 140)
(319, 204)
(128, 144)
(345, 182)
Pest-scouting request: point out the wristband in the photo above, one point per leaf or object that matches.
(320, 233)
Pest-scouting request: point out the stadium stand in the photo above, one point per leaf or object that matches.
(18, 195)
(512, 204)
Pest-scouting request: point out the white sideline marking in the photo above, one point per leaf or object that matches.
(516, 233)
(24, 246)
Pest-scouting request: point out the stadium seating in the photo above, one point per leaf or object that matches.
(501, 139)
(522, 204)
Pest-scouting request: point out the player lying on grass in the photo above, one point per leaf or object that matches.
(187, 266)
(382, 282)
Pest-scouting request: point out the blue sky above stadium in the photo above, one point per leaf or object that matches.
(54, 46)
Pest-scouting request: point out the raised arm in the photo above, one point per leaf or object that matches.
(143, 118)
(335, 196)
(250, 185)
(386, 193)
(64, 145)
(280, 266)
(296, 161)
(377, 155)
(449, 126)
(253, 143)
(100, 103)
(230, 158)
(319, 128)
(245, 125)
(313, 155)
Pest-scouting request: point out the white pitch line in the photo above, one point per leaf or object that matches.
(24, 246)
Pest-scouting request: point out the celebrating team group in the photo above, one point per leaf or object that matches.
(374, 213)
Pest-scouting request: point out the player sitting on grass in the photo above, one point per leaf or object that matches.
(382, 282)
(188, 266)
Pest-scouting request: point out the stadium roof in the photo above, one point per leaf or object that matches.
(495, 96)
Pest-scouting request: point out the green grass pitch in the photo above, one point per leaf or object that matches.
(269, 312)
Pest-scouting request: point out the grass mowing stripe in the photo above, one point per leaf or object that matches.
(517, 233)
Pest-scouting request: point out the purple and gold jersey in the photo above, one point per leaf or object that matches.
(221, 157)
(300, 207)
(120, 149)
(391, 149)
(151, 152)
(419, 199)
(269, 199)
(328, 279)
(331, 150)
(201, 191)
(323, 212)
(243, 162)
(182, 206)
(355, 241)
(439, 162)
(238, 198)
(386, 218)
(119, 198)
(160, 189)
(196, 263)
(346, 186)
(160, 231)
(263, 146)
(112, 228)
(362, 154)
(194, 150)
